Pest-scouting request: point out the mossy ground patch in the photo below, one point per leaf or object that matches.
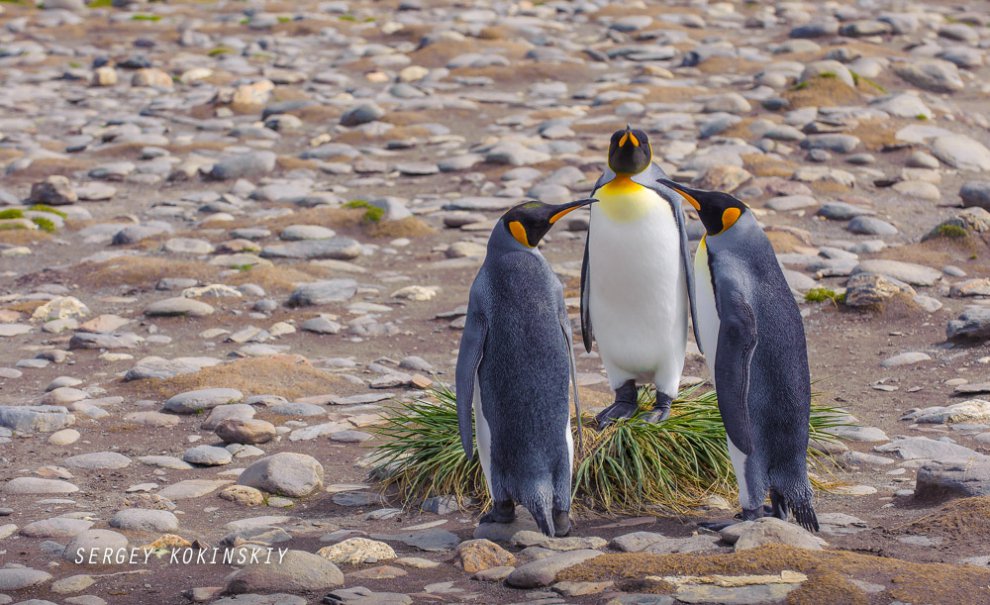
(911, 582)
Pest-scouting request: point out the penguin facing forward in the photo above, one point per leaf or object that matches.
(755, 349)
(636, 279)
(514, 367)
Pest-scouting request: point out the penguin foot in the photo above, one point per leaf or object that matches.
(501, 512)
(616, 411)
(561, 523)
(625, 405)
(661, 409)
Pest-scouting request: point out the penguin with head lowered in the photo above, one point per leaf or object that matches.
(636, 279)
(515, 367)
(755, 348)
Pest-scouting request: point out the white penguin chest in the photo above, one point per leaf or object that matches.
(638, 290)
(704, 299)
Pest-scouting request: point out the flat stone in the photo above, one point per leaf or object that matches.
(155, 419)
(432, 540)
(916, 275)
(305, 232)
(18, 578)
(178, 306)
(191, 488)
(359, 595)
(334, 248)
(741, 595)
(912, 448)
(136, 519)
(527, 538)
(905, 359)
(35, 485)
(55, 528)
(323, 292)
(192, 402)
(244, 165)
(157, 367)
(870, 225)
(98, 461)
(975, 411)
(35, 418)
(99, 541)
(543, 572)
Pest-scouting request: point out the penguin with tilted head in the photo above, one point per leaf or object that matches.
(514, 368)
(636, 279)
(755, 348)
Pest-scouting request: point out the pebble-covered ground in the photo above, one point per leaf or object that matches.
(233, 232)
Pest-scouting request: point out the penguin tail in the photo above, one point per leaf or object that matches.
(804, 514)
(540, 505)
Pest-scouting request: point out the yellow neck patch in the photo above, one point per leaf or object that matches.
(623, 200)
(729, 218)
(519, 232)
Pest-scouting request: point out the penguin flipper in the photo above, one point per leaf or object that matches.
(468, 360)
(565, 326)
(586, 332)
(675, 201)
(736, 343)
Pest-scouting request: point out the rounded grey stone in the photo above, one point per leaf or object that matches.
(286, 473)
(138, 519)
(207, 455)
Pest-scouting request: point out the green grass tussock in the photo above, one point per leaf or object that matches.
(632, 467)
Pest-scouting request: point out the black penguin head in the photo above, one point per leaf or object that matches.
(528, 222)
(629, 152)
(718, 211)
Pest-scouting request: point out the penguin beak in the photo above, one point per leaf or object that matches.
(563, 209)
(628, 138)
(683, 193)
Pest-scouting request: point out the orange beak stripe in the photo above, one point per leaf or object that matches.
(690, 199)
(562, 213)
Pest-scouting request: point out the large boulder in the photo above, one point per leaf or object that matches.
(285, 473)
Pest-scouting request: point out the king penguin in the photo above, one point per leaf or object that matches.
(516, 359)
(636, 279)
(755, 349)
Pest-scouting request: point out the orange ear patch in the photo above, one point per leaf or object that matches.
(633, 140)
(519, 232)
(729, 217)
(622, 141)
